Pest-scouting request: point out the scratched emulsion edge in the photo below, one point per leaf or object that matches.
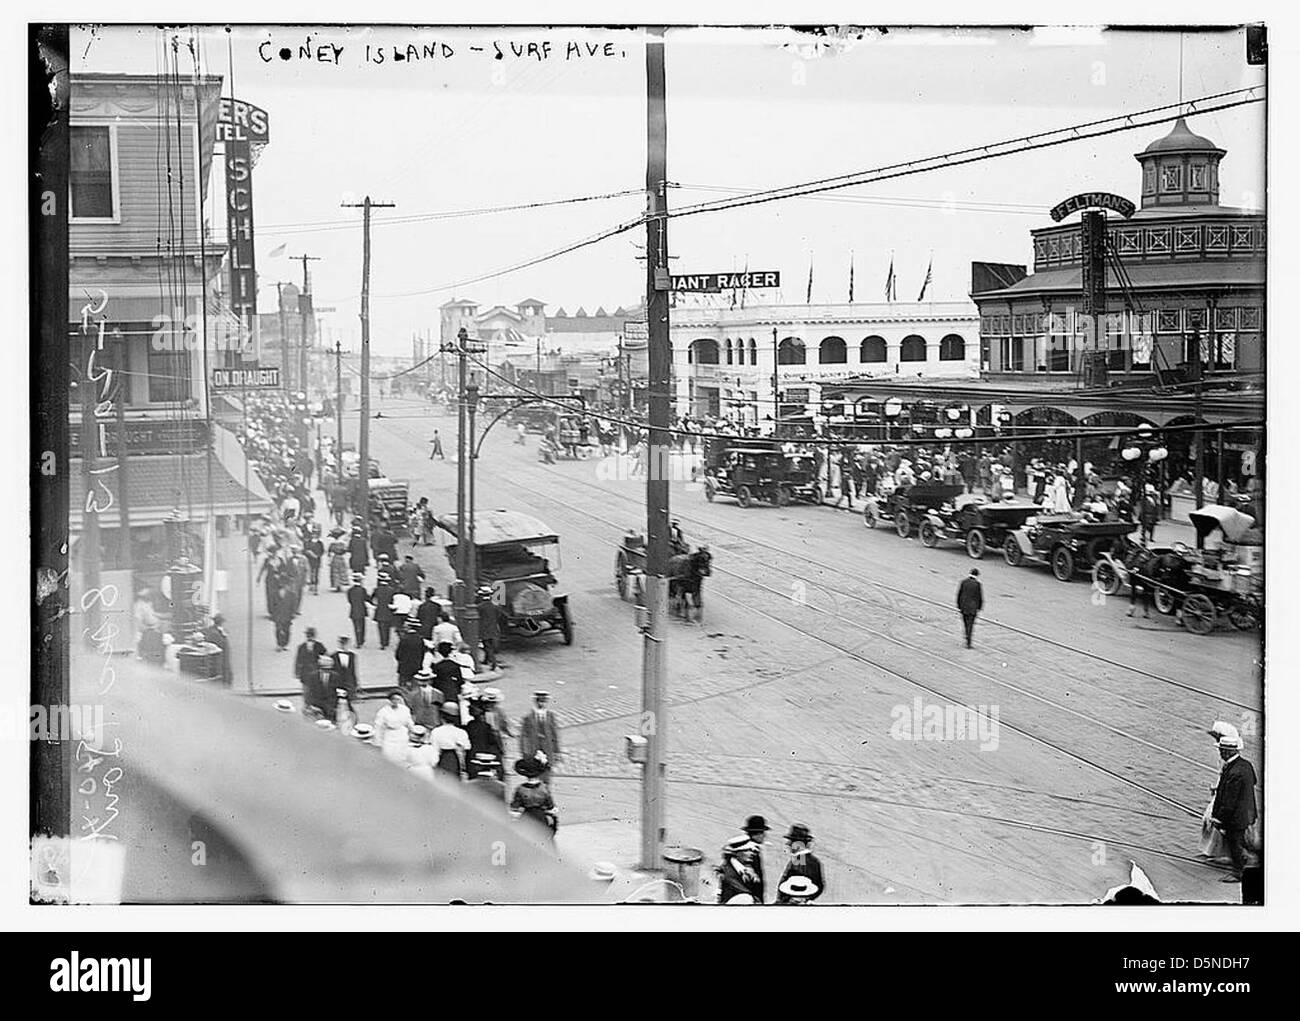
(50, 757)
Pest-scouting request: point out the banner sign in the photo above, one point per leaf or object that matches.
(183, 436)
(248, 376)
(1093, 200)
(711, 283)
(240, 126)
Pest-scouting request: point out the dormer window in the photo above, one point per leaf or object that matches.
(1149, 180)
(1171, 178)
(1196, 177)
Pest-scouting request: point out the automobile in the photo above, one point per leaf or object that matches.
(515, 556)
(748, 473)
(975, 521)
(1069, 542)
(801, 478)
(907, 506)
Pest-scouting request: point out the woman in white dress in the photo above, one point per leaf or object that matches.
(393, 725)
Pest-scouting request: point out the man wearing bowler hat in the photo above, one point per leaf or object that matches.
(756, 828)
(539, 732)
(358, 608)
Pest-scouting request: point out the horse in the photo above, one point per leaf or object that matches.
(686, 574)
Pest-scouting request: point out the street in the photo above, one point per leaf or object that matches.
(819, 636)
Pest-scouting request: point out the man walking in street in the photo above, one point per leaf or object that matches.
(970, 600)
(409, 654)
(539, 732)
(409, 576)
(437, 447)
(358, 609)
(306, 666)
(345, 668)
(1234, 810)
(1149, 514)
(756, 828)
(489, 626)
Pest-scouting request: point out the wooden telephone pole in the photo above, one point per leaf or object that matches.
(362, 503)
(655, 655)
(304, 314)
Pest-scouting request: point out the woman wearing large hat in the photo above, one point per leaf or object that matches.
(531, 799)
(450, 740)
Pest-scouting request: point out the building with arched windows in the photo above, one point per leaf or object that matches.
(725, 361)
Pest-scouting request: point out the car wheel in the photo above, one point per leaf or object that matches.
(1012, 553)
(902, 524)
(975, 544)
(929, 534)
(1105, 578)
(744, 496)
(1198, 614)
(1063, 564)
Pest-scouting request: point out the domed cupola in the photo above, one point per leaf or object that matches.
(1180, 169)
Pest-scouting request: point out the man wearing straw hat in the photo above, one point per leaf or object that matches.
(358, 608)
(1234, 808)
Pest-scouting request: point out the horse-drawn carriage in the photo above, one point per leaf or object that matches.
(907, 506)
(1215, 584)
(687, 570)
(1069, 542)
(514, 554)
(975, 522)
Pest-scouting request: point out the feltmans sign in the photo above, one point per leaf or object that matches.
(1093, 200)
(714, 282)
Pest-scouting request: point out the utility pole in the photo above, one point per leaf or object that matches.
(1198, 374)
(362, 504)
(654, 723)
(338, 402)
(284, 336)
(776, 393)
(305, 315)
(465, 590)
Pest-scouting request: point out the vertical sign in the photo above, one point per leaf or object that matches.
(1093, 278)
(240, 128)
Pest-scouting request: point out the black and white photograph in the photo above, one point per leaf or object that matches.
(696, 464)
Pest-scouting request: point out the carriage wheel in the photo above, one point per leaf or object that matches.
(1244, 616)
(1063, 564)
(744, 497)
(1105, 578)
(620, 574)
(929, 534)
(710, 491)
(1012, 552)
(869, 517)
(1198, 614)
(1165, 601)
(975, 543)
(902, 524)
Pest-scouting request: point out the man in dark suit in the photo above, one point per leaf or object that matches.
(358, 609)
(756, 828)
(216, 634)
(409, 576)
(970, 600)
(345, 668)
(802, 862)
(539, 732)
(306, 665)
(428, 614)
(409, 653)
(1234, 810)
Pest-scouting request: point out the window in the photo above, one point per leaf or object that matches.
(169, 376)
(753, 352)
(1013, 354)
(90, 173)
(833, 351)
(912, 349)
(1171, 178)
(791, 352)
(729, 353)
(1196, 177)
(952, 349)
(703, 352)
(1149, 180)
(873, 349)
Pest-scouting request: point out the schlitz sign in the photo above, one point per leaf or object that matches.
(240, 126)
(1093, 200)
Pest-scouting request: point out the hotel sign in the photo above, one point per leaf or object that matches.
(1093, 200)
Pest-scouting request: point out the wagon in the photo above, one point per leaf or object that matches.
(975, 522)
(1068, 542)
(908, 506)
(515, 556)
(1212, 585)
(389, 498)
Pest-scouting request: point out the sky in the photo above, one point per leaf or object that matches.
(748, 108)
